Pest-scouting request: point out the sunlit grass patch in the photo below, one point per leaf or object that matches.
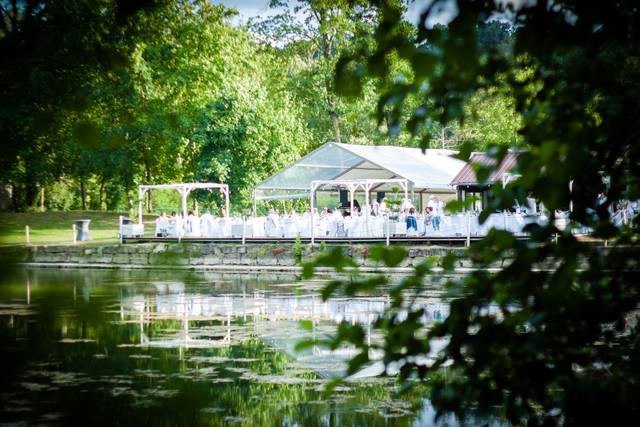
(56, 227)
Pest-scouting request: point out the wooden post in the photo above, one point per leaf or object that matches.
(73, 230)
(27, 234)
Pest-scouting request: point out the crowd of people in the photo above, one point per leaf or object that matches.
(348, 220)
(407, 213)
(206, 225)
(191, 225)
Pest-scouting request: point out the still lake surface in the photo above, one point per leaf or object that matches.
(100, 347)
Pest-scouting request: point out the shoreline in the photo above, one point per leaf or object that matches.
(238, 268)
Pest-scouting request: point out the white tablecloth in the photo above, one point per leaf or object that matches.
(456, 225)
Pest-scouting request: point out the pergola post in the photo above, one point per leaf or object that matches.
(225, 190)
(311, 194)
(367, 188)
(351, 191)
(183, 193)
(140, 195)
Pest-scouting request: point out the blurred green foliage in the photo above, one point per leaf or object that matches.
(551, 338)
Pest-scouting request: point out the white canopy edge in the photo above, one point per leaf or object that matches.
(355, 183)
(287, 197)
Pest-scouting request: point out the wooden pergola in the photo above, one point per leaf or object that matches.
(184, 189)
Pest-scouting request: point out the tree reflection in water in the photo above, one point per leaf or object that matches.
(108, 347)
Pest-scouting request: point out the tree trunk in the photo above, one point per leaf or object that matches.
(335, 119)
(83, 194)
(42, 198)
(147, 176)
(15, 197)
(327, 53)
(101, 195)
(31, 193)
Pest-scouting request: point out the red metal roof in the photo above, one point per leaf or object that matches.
(467, 175)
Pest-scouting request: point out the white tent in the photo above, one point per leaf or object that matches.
(431, 170)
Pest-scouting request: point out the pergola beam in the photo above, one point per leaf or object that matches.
(184, 189)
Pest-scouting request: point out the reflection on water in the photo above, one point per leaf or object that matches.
(106, 347)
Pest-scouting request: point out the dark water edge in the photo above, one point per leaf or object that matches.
(100, 347)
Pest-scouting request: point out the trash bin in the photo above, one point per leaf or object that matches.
(82, 229)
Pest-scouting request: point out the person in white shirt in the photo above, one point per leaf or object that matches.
(406, 205)
(161, 225)
(178, 223)
(437, 208)
(382, 208)
(531, 205)
(432, 203)
(192, 225)
(206, 224)
(271, 224)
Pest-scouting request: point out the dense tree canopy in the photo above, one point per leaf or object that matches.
(136, 96)
(100, 97)
(551, 337)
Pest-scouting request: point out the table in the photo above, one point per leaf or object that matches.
(132, 230)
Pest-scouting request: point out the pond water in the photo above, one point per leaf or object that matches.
(97, 347)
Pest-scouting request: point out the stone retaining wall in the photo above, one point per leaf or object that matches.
(203, 255)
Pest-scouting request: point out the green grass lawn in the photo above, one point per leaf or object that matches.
(55, 227)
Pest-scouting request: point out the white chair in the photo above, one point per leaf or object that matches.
(225, 227)
(289, 228)
(271, 227)
(215, 230)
